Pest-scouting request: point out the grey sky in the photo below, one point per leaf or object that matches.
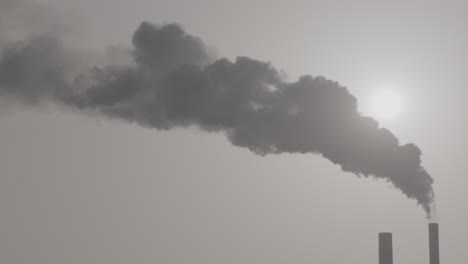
(79, 189)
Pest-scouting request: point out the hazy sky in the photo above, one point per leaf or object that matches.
(82, 189)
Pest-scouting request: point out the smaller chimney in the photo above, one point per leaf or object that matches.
(385, 248)
(434, 243)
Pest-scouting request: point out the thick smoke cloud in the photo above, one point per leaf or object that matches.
(174, 82)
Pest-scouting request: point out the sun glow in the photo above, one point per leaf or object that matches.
(386, 104)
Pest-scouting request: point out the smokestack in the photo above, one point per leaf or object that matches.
(434, 243)
(385, 248)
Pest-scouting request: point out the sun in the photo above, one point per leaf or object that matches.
(386, 104)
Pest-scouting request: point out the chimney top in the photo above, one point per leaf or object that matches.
(385, 234)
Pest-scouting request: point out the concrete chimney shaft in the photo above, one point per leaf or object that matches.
(433, 243)
(385, 248)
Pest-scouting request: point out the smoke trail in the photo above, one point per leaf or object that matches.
(174, 82)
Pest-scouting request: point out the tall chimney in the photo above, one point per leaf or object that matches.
(434, 243)
(385, 248)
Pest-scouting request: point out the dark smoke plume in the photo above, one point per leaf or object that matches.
(174, 82)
